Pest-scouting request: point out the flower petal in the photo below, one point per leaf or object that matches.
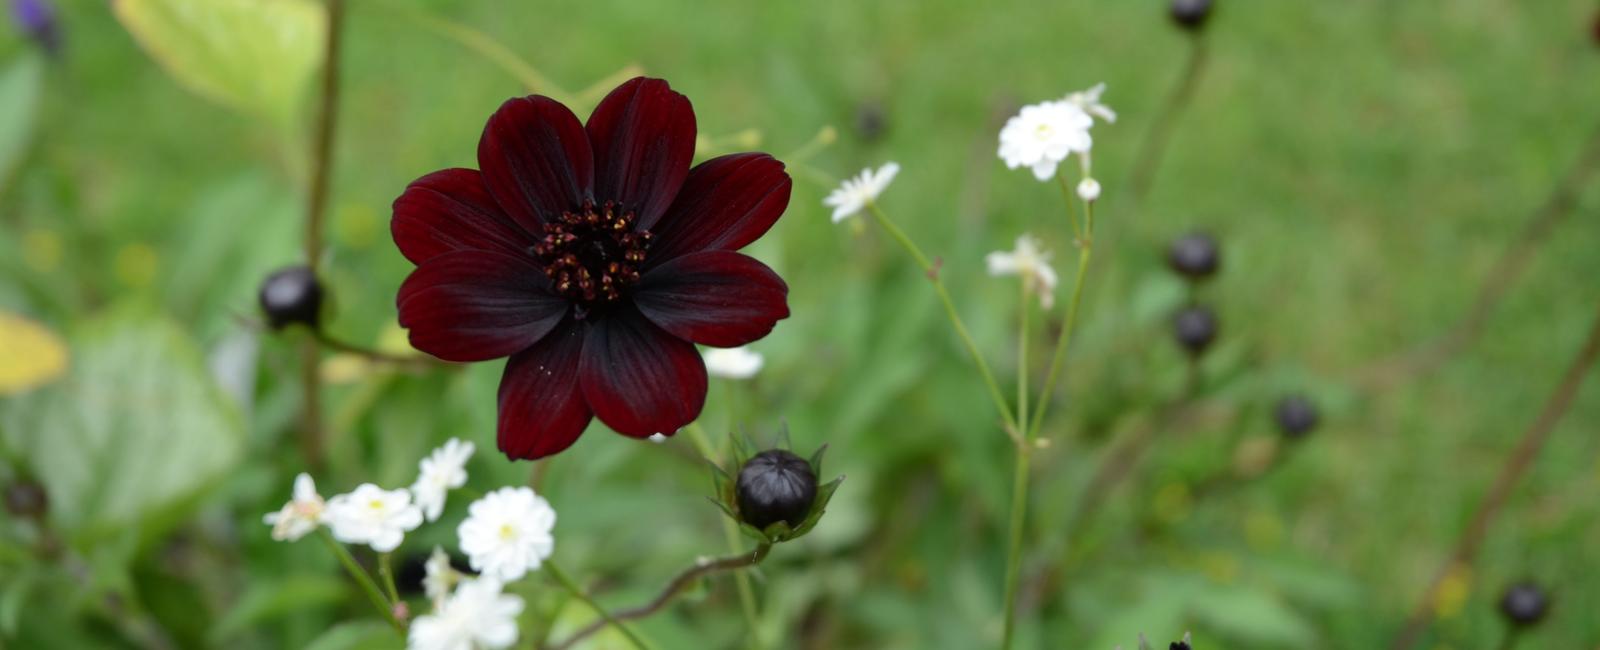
(726, 203)
(638, 378)
(542, 410)
(643, 139)
(718, 298)
(536, 160)
(477, 305)
(451, 210)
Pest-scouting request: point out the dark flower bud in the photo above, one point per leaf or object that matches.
(1524, 604)
(1194, 256)
(1296, 416)
(291, 295)
(774, 486)
(1191, 14)
(26, 499)
(871, 122)
(1179, 645)
(1195, 327)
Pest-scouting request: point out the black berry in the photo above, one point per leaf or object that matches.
(1296, 416)
(1195, 328)
(1194, 256)
(1191, 14)
(1524, 604)
(775, 486)
(26, 499)
(1179, 645)
(292, 295)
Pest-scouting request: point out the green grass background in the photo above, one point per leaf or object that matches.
(1362, 163)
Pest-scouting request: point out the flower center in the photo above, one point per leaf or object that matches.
(507, 533)
(593, 254)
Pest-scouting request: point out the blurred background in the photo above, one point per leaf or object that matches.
(1361, 163)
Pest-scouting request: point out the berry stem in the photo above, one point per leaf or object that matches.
(730, 531)
(1527, 450)
(1160, 133)
(606, 617)
(372, 354)
(360, 575)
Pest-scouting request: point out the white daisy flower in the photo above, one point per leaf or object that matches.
(1029, 261)
(477, 616)
(373, 516)
(300, 515)
(507, 533)
(856, 193)
(1042, 135)
(438, 577)
(1089, 101)
(733, 363)
(1089, 189)
(441, 471)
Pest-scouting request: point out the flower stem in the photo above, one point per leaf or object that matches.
(730, 531)
(386, 573)
(932, 271)
(361, 578)
(1160, 133)
(577, 592)
(1019, 509)
(489, 49)
(1064, 340)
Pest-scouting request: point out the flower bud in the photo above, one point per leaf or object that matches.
(1195, 328)
(1191, 14)
(291, 295)
(1296, 416)
(1194, 256)
(26, 499)
(1524, 604)
(1089, 190)
(774, 486)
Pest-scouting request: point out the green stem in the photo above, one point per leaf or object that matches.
(730, 531)
(1064, 341)
(1022, 355)
(955, 319)
(386, 573)
(491, 50)
(1019, 509)
(577, 592)
(361, 578)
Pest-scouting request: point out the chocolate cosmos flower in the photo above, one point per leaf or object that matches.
(594, 258)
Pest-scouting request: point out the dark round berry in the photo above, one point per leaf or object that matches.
(1194, 256)
(871, 122)
(26, 499)
(1296, 416)
(1524, 604)
(1191, 14)
(1195, 328)
(775, 486)
(1179, 645)
(291, 295)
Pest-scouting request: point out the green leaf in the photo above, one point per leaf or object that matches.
(265, 601)
(251, 55)
(1252, 616)
(355, 635)
(20, 85)
(136, 427)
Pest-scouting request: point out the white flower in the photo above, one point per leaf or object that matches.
(373, 516)
(438, 576)
(855, 193)
(300, 515)
(1089, 189)
(1030, 262)
(442, 470)
(476, 616)
(1089, 101)
(657, 438)
(507, 533)
(733, 363)
(1043, 135)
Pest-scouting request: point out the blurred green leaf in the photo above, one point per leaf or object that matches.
(268, 600)
(356, 635)
(1252, 616)
(251, 55)
(137, 425)
(20, 85)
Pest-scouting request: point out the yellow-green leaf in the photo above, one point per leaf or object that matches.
(252, 55)
(30, 354)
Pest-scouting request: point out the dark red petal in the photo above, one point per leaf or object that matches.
(536, 160)
(726, 203)
(639, 379)
(643, 139)
(477, 305)
(718, 298)
(542, 410)
(451, 210)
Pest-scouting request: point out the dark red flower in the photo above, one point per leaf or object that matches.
(594, 258)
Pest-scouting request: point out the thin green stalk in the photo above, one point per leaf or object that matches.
(386, 573)
(1022, 355)
(577, 592)
(1064, 341)
(361, 578)
(491, 50)
(730, 531)
(1019, 509)
(955, 319)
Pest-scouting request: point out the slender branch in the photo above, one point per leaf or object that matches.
(730, 532)
(311, 434)
(479, 43)
(1160, 133)
(701, 567)
(360, 575)
(1064, 340)
(606, 618)
(1533, 440)
(386, 573)
(372, 354)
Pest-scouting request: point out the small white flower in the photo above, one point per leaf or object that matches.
(657, 438)
(1042, 135)
(1089, 189)
(1030, 262)
(441, 471)
(373, 516)
(476, 616)
(300, 515)
(1089, 101)
(438, 577)
(507, 533)
(856, 193)
(733, 363)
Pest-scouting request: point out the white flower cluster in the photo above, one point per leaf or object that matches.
(1043, 135)
(1029, 261)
